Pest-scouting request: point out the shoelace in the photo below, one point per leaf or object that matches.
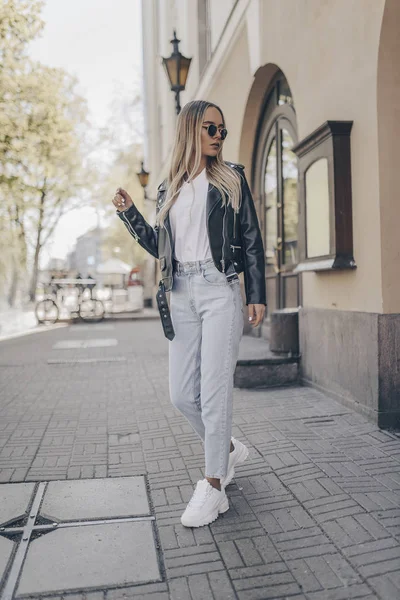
(199, 497)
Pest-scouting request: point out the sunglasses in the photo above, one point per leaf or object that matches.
(212, 130)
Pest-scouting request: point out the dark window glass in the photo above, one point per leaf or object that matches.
(285, 95)
(290, 204)
(271, 198)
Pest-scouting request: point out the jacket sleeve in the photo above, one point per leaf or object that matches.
(141, 231)
(253, 248)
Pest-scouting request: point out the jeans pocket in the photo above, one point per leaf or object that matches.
(212, 276)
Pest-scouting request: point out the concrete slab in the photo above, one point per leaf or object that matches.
(95, 499)
(94, 343)
(91, 556)
(15, 498)
(6, 549)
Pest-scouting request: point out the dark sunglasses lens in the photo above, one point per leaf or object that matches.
(212, 130)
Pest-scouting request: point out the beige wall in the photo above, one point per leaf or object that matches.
(219, 14)
(160, 17)
(332, 73)
(334, 77)
(340, 66)
(232, 97)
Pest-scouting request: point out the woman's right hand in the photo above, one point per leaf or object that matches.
(122, 200)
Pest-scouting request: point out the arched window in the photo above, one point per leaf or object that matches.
(275, 179)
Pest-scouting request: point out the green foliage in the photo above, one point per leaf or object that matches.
(46, 162)
(122, 140)
(20, 23)
(42, 122)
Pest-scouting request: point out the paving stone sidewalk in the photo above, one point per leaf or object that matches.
(314, 513)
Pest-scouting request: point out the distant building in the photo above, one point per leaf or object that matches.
(56, 267)
(71, 261)
(57, 264)
(87, 254)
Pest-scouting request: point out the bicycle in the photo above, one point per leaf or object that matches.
(90, 310)
(47, 311)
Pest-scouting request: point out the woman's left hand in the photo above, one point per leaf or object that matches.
(256, 314)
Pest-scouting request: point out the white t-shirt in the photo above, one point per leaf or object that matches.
(188, 221)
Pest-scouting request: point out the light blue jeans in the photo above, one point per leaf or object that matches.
(207, 315)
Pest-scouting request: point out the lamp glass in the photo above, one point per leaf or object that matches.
(143, 178)
(184, 70)
(171, 67)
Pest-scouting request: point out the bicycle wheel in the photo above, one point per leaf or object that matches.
(91, 310)
(46, 311)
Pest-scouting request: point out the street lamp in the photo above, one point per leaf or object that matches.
(143, 177)
(177, 69)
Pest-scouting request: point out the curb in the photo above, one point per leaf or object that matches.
(39, 329)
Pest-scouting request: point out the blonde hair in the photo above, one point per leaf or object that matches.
(186, 157)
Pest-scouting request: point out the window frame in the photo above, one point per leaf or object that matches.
(280, 117)
(331, 141)
(273, 118)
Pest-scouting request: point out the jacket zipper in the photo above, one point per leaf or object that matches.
(132, 231)
(234, 230)
(223, 240)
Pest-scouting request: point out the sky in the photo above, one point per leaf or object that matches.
(98, 41)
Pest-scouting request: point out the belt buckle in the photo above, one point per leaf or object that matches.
(232, 277)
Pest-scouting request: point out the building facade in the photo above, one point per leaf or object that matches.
(88, 253)
(310, 91)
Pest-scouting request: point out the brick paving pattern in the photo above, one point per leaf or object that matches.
(314, 513)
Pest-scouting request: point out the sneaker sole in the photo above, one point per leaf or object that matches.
(209, 519)
(231, 473)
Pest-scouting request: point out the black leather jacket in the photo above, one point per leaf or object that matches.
(158, 241)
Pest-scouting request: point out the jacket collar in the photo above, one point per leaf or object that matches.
(213, 198)
(163, 186)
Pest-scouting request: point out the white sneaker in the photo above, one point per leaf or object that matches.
(205, 505)
(236, 457)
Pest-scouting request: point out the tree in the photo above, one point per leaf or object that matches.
(56, 180)
(42, 122)
(19, 23)
(122, 143)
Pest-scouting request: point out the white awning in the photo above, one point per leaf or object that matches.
(113, 266)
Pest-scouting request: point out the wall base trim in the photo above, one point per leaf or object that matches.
(345, 401)
(353, 357)
(390, 420)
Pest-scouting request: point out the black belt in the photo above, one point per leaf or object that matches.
(165, 314)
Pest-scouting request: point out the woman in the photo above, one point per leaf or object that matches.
(206, 232)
